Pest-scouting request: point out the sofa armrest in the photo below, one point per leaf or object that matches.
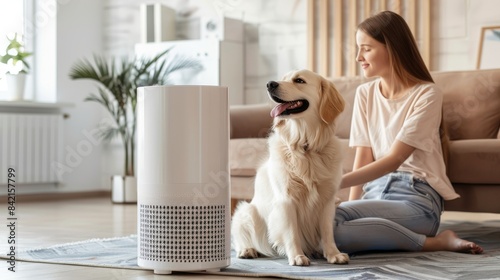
(474, 161)
(250, 121)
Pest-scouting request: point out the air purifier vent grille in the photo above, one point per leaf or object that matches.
(186, 234)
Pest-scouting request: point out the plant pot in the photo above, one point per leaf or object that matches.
(15, 86)
(123, 189)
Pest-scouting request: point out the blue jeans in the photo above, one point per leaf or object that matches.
(396, 213)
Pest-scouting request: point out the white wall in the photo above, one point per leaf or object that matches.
(456, 31)
(79, 35)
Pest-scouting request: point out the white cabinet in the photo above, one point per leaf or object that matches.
(222, 62)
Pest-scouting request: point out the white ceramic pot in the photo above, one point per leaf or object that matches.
(123, 189)
(15, 86)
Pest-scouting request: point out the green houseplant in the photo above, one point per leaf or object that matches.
(117, 90)
(15, 58)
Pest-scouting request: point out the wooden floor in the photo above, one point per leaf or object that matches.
(45, 223)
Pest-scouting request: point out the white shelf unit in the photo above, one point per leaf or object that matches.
(222, 61)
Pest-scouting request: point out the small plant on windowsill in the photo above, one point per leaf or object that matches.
(117, 91)
(17, 67)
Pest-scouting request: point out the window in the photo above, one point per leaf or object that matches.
(13, 16)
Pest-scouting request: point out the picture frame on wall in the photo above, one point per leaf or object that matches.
(489, 44)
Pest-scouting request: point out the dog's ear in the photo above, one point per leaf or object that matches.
(331, 102)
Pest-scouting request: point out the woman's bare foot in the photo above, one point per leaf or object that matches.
(449, 241)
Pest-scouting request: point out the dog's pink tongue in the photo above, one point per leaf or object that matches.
(276, 111)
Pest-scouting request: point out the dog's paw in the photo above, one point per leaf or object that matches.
(339, 258)
(299, 260)
(248, 253)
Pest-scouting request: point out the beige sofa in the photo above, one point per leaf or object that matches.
(471, 111)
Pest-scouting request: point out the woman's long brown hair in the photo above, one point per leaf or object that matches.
(408, 66)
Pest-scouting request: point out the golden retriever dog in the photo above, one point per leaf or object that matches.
(293, 208)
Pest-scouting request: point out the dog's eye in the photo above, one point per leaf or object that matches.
(299, 81)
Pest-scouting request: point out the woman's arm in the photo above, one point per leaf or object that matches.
(365, 173)
(362, 157)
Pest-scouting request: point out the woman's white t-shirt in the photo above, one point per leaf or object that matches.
(413, 119)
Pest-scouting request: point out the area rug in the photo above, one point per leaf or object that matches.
(121, 252)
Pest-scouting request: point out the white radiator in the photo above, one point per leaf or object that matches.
(30, 143)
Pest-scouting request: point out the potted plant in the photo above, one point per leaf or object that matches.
(117, 93)
(15, 58)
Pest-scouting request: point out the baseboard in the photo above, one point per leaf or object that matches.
(58, 196)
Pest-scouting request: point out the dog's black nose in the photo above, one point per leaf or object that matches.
(272, 85)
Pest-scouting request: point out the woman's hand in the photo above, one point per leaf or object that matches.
(366, 169)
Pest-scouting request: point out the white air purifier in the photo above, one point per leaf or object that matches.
(183, 200)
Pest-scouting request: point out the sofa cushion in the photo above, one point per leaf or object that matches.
(245, 155)
(259, 124)
(471, 103)
(242, 187)
(347, 88)
(348, 156)
(474, 161)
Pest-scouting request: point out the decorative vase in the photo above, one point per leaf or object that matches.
(123, 189)
(15, 85)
